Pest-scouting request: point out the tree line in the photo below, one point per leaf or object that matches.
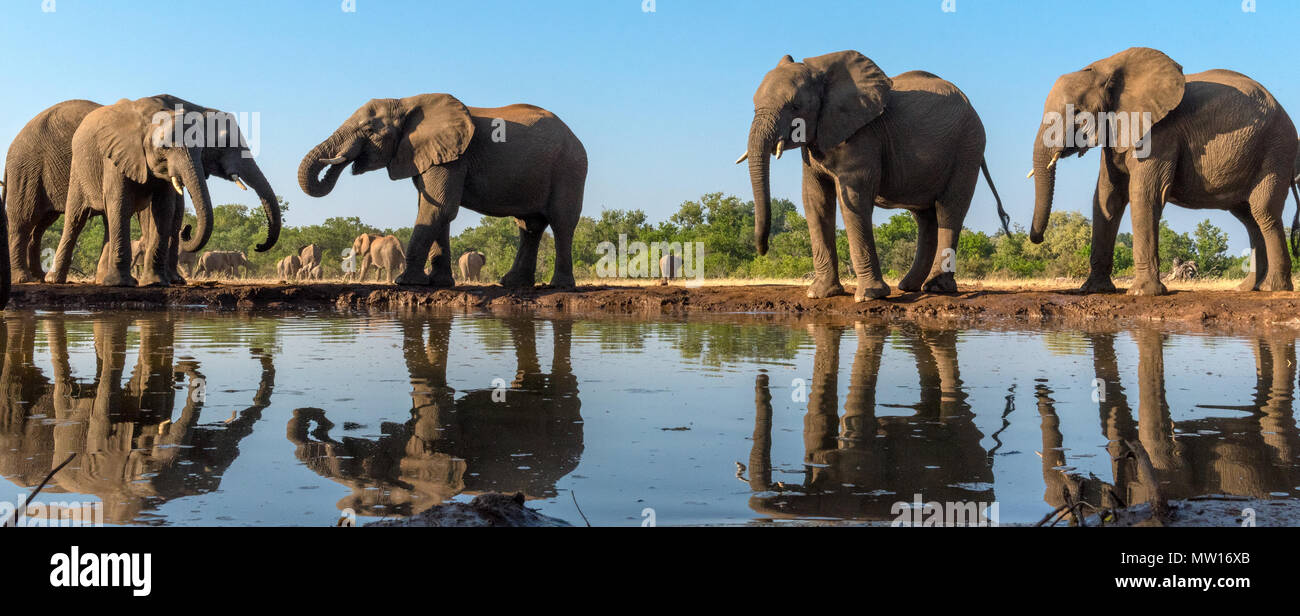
(725, 226)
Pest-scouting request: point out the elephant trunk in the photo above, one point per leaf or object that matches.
(309, 170)
(762, 138)
(1044, 188)
(252, 175)
(198, 188)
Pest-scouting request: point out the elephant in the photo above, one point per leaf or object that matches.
(222, 262)
(912, 142)
(520, 161)
(471, 264)
(124, 160)
(1215, 139)
(39, 164)
(288, 267)
(5, 274)
(385, 253)
(360, 250)
(670, 268)
(310, 272)
(309, 257)
(187, 261)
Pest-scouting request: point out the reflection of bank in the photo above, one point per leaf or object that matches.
(1248, 453)
(524, 439)
(858, 465)
(131, 450)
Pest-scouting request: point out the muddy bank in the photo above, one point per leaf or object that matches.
(975, 305)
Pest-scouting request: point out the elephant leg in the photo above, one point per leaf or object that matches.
(1257, 254)
(950, 213)
(74, 220)
(927, 238)
(523, 273)
(819, 209)
(1267, 202)
(440, 191)
(118, 221)
(563, 212)
(26, 262)
(857, 196)
(154, 221)
(172, 241)
(1108, 203)
(1147, 209)
(563, 275)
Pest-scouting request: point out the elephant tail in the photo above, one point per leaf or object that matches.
(1002, 213)
(1295, 222)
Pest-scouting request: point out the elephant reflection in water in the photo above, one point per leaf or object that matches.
(131, 451)
(859, 465)
(523, 439)
(1250, 454)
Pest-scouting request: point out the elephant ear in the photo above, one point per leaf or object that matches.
(119, 134)
(436, 130)
(1141, 80)
(854, 90)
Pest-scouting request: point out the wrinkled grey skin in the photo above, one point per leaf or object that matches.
(309, 257)
(288, 267)
(120, 167)
(1218, 140)
(221, 263)
(911, 142)
(384, 253)
(471, 264)
(535, 172)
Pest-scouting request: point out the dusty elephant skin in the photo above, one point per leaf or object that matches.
(1217, 140)
(470, 264)
(520, 161)
(911, 142)
(384, 254)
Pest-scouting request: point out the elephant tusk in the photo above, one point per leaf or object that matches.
(235, 178)
(1031, 174)
(337, 160)
(780, 147)
(743, 157)
(176, 183)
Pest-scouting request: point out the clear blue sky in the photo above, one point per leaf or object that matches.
(662, 100)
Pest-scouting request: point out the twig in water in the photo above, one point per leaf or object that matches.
(14, 520)
(575, 504)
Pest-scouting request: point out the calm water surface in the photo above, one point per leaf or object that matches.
(196, 418)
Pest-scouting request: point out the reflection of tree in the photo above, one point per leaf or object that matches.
(1249, 454)
(524, 440)
(131, 452)
(860, 464)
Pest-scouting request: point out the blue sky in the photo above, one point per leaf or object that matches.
(661, 99)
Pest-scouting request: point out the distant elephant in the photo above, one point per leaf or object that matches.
(471, 264)
(39, 164)
(518, 161)
(385, 253)
(187, 261)
(911, 142)
(310, 257)
(288, 267)
(1216, 139)
(222, 263)
(310, 272)
(670, 268)
(123, 162)
(360, 250)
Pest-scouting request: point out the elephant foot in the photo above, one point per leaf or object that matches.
(514, 280)
(116, 279)
(56, 278)
(567, 282)
(1248, 285)
(910, 283)
(1278, 283)
(1149, 286)
(150, 280)
(23, 277)
(444, 281)
(413, 278)
(822, 289)
(870, 289)
(945, 282)
(1098, 285)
